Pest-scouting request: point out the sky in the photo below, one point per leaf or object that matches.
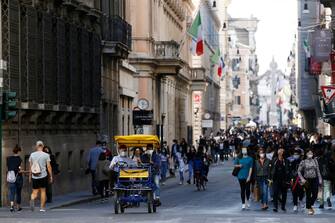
(276, 28)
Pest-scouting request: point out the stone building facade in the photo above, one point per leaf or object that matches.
(62, 58)
(161, 58)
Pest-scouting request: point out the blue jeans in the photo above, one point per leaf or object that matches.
(157, 191)
(190, 169)
(264, 188)
(181, 175)
(15, 189)
(164, 168)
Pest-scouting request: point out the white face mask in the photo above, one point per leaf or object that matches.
(309, 156)
(123, 153)
(296, 156)
(244, 151)
(261, 155)
(149, 152)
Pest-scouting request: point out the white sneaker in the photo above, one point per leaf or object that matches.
(180, 183)
(42, 210)
(248, 204)
(243, 206)
(295, 208)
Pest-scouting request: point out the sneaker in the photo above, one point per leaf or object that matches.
(42, 210)
(180, 183)
(283, 209)
(311, 211)
(329, 203)
(275, 210)
(12, 209)
(32, 205)
(163, 183)
(20, 209)
(248, 204)
(295, 208)
(243, 206)
(321, 206)
(189, 181)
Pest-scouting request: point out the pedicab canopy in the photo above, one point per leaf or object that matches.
(137, 140)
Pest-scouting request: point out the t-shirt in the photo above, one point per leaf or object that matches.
(42, 158)
(247, 163)
(119, 160)
(13, 164)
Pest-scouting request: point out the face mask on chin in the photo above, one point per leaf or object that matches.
(309, 156)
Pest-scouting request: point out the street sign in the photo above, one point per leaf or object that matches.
(142, 117)
(328, 93)
(207, 123)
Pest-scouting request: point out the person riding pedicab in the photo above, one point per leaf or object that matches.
(118, 161)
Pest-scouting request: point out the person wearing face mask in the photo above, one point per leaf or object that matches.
(310, 177)
(262, 167)
(245, 163)
(279, 176)
(296, 187)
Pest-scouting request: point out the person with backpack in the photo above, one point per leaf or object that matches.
(40, 169)
(102, 176)
(15, 178)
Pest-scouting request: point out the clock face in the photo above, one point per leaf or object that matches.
(143, 104)
(207, 116)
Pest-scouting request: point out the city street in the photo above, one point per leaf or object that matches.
(220, 203)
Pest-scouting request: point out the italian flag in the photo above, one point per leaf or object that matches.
(221, 66)
(196, 32)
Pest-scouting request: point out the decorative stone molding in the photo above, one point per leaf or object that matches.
(177, 8)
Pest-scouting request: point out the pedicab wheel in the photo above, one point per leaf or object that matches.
(154, 208)
(116, 206)
(150, 202)
(122, 208)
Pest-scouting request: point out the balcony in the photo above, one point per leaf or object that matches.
(166, 54)
(199, 79)
(166, 49)
(116, 34)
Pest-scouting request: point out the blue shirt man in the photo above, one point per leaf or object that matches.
(93, 156)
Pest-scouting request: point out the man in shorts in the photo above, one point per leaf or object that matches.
(39, 169)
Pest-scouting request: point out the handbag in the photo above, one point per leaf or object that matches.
(236, 170)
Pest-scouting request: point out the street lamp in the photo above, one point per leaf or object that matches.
(162, 127)
(306, 10)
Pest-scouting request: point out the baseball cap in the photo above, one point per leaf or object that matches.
(39, 143)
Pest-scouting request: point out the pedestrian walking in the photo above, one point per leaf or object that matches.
(164, 154)
(92, 160)
(296, 187)
(262, 168)
(310, 176)
(280, 179)
(190, 161)
(245, 163)
(102, 176)
(326, 188)
(15, 178)
(181, 167)
(55, 171)
(40, 172)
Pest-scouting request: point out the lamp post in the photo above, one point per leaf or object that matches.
(162, 127)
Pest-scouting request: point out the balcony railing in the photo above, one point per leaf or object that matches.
(166, 49)
(198, 74)
(115, 29)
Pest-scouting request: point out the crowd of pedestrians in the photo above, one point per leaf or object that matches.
(270, 163)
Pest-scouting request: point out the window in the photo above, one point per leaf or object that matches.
(69, 161)
(238, 100)
(81, 161)
(26, 162)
